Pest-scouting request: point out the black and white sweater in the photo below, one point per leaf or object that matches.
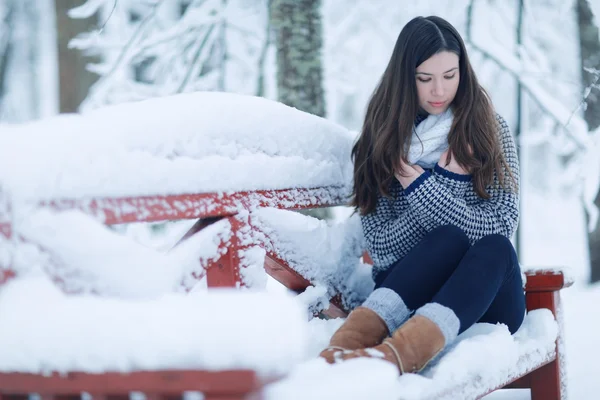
(440, 197)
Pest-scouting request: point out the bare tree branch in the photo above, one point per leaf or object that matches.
(196, 64)
(542, 98)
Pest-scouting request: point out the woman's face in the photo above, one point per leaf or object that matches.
(437, 82)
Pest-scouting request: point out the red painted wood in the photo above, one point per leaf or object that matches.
(6, 272)
(284, 274)
(45, 396)
(230, 383)
(541, 281)
(186, 206)
(105, 396)
(523, 382)
(13, 396)
(225, 272)
(545, 381)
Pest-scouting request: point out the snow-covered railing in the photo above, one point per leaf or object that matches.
(242, 166)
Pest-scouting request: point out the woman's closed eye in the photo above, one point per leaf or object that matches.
(429, 79)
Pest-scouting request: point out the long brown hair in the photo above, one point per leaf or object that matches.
(393, 107)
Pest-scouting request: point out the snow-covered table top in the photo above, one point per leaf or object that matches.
(186, 143)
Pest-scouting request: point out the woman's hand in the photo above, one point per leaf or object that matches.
(412, 172)
(452, 166)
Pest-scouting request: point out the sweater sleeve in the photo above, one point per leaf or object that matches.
(391, 230)
(436, 203)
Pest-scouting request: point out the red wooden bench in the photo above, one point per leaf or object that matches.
(225, 272)
(542, 292)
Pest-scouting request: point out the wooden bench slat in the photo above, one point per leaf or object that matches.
(202, 205)
(214, 382)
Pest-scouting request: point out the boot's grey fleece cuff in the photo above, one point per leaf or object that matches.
(443, 317)
(389, 306)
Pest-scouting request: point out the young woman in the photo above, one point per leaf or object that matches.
(436, 183)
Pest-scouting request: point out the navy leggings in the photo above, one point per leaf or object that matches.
(479, 282)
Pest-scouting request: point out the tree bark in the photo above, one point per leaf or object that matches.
(298, 37)
(74, 79)
(6, 49)
(298, 34)
(590, 58)
(519, 119)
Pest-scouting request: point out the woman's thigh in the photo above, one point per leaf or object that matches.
(425, 269)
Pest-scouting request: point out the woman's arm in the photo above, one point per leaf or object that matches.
(391, 230)
(436, 203)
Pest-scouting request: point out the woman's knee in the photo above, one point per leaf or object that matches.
(450, 234)
(496, 242)
(500, 248)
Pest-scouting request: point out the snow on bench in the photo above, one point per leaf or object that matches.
(45, 330)
(84, 256)
(326, 254)
(483, 358)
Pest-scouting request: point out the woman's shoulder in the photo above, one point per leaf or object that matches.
(501, 123)
(503, 130)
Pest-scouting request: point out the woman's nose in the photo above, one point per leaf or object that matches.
(438, 88)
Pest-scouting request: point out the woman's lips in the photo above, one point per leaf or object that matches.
(437, 104)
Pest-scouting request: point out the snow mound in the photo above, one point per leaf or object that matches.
(326, 253)
(483, 358)
(206, 330)
(185, 143)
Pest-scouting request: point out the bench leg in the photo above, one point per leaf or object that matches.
(228, 270)
(6, 272)
(546, 381)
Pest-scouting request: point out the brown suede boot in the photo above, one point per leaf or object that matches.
(363, 328)
(411, 347)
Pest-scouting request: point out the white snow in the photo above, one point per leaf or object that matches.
(86, 256)
(325, 253)
(485, 356)
(187, 143)
(211, 330)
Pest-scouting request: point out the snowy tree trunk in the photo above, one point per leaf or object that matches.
(519, 117)
(74, 79)
(298, 38)
(19, 67)
(590, 58)
(298, 33)
(6, 47)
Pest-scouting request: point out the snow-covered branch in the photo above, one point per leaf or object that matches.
(574, 126)
(159, 47)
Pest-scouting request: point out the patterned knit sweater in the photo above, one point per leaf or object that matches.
(440, 197)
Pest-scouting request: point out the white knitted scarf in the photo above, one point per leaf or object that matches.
(430, 139)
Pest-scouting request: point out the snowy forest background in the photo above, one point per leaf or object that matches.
(539, 60)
